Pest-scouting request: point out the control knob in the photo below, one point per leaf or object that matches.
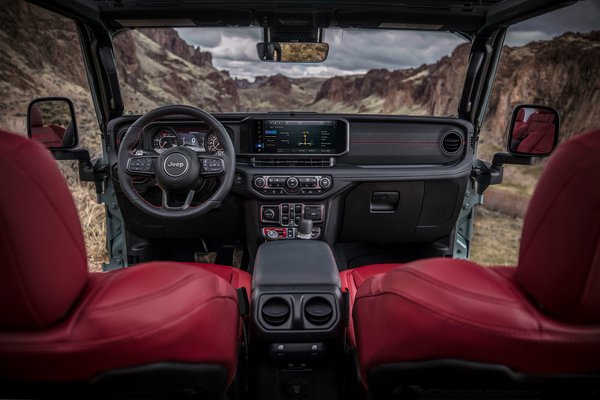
(268, 213)
(325, 182)
(272, 234)
(292, 182)
(259, 182)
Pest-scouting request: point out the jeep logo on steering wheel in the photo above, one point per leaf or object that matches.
(175, 165)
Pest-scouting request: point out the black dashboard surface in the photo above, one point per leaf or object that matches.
(372, 140)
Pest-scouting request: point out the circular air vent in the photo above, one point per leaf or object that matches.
(318, 310)
(452, 142)
(275, 311)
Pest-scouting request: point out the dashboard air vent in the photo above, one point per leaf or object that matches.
(293, 162)
(452, 142)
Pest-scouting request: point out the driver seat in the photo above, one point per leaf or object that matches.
(155, 329)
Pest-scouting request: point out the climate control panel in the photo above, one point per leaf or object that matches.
(292, 185)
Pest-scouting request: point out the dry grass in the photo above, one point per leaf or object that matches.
(496, 238)
(91, 214)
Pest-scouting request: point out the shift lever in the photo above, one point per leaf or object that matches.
(305, 227)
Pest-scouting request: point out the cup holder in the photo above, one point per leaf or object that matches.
(318, 311)
(275, 311)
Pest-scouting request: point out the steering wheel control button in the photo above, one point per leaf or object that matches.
(141, 164)
(211, 165)
(176, 164)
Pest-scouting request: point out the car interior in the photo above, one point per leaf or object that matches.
(296, 255)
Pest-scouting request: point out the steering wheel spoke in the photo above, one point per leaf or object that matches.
(178, 171)
(186, 203)
(141, 165)
(211, 166)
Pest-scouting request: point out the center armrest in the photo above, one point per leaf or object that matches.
(295, 262)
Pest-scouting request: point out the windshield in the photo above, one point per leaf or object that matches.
(217, 69)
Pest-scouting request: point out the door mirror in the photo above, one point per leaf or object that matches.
(292, 52)
(533, 130)
(51, 121)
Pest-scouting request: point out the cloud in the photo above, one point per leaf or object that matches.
(357, 51)
(583, 16)
(350, 52)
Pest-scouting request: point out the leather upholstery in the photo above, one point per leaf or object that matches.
(520, 127)
(446, 308)
(539, 138)
(351, 279)
(36, 209)
(559, 258)
(60, 323)
(542, 317)
(237, 278)
(149, 313)
(50, 135)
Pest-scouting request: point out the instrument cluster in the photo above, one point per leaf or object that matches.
(199, 138)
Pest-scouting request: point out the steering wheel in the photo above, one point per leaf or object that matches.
(178, 170)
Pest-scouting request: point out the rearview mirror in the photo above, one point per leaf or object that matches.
(533, 130)
(51, 121)
(292, 52)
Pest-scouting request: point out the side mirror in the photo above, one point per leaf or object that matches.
(292, 52)
(51, 121)
(533, 130)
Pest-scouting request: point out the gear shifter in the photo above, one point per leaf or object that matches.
(305, 227)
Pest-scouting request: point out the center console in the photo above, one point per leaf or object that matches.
(298, 321)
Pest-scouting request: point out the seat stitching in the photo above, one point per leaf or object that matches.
(459, 291)
(123, 338)
(138, 300)
(465, 321)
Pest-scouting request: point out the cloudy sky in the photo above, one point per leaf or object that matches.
(354, 52)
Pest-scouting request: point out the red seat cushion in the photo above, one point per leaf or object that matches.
(351, 279)
(237, 278)
(153, 312)
(446, 308)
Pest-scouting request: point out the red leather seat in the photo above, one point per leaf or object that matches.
(59, 323)
(540, 134)
(351, 279)
(520, 128)
(49, 135)
(540, 318)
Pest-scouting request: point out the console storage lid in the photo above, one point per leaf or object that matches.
(295, 262)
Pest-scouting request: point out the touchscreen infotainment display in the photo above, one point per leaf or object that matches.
(299, 137)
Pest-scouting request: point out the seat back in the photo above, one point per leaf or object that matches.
(44, 263)
(559, 259)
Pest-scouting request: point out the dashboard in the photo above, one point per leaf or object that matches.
(360, 178)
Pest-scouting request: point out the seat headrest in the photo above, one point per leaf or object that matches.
(545, 117)
(44, 264)
(559, 258)
(35, 117)
(521, 115)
